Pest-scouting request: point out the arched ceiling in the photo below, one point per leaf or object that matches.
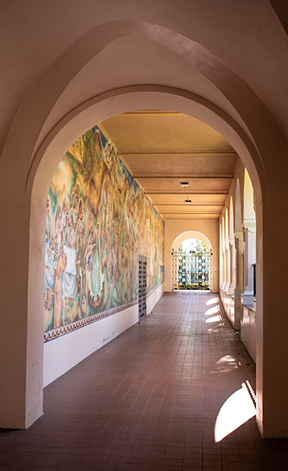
(60, 57)
(161, 149)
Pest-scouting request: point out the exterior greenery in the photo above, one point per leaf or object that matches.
(193, 259)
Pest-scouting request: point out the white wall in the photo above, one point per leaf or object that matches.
(66, 351)
(248, 330)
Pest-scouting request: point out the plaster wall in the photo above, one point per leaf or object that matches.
(229, 306)
(207, 61)
(175, 227)
(92, 197)
(248, 330)
(241, 316)
(62, 353)
(154, 297)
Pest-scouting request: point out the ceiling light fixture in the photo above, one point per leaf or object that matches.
(185, 184)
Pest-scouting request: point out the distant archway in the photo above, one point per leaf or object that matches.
(191, 235)
(192, 265)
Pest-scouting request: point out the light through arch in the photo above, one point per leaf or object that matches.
(192, 262)
(69, 129)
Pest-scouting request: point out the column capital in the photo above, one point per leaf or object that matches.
(249, 225)
(239, 235)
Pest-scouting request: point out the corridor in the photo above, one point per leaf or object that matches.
(148, 401)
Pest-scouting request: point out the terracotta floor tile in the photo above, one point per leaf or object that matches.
(148, 402)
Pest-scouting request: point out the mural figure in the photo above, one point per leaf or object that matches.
(98, 221)
(58, 293)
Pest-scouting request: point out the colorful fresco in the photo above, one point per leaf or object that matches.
(98, 221)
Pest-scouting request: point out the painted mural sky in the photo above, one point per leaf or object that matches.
(98, 221)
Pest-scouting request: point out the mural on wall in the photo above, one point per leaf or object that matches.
(98, 221)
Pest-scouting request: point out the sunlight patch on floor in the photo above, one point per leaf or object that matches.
(237, 410)
(212, 301)
(212, 310)
(213, 319)
(225, 364)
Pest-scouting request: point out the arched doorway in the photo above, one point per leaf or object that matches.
(192, 262)
(192, 266)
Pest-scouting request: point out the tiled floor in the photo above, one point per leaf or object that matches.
(149, 400)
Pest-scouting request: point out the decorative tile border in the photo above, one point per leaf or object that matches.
(65, 329)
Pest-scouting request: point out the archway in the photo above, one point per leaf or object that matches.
(191, 235)
(241, 128)
(51, 152)
(192, 266)
(179, 239)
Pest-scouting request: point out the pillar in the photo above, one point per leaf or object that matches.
(21, 333)
(249, 260)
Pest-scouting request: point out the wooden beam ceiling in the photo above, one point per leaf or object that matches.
(162, 149)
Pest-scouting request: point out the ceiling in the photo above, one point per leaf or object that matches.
(161, 149)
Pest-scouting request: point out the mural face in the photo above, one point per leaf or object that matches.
(98, 221)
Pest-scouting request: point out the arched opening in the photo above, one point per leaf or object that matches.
(248, 296)
(192, 266)
(118, 103)
(46, 148)
(63, 94)
(191, 235)
(192, 262)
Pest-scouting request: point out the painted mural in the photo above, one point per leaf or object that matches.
(98, 221)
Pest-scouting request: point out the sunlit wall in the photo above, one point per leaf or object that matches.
(98, 221)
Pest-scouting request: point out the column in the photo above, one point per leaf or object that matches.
(249, 260)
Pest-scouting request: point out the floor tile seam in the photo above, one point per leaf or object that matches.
(124, 366)
(257, 452)
(223, 374)
(159, 408)
(216, 409)
(238, 345)
(153, 341)
(233, 350)
(227, 351)
(112, 394)
(189, 396)
(202, 422)
(119, 372)
(145, 410)
(256, 449)
(169, 430)
(123, 399)
(100, 360)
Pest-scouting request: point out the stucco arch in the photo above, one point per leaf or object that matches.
(191, 235)
(31, 207)
(195, 235)
(229, 94)
(38, 138)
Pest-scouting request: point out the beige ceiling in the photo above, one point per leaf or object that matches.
(162, 149)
